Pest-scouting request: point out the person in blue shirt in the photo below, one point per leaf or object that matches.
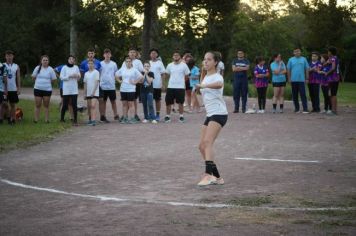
(278, 71)
(194, 77)
(84, 64)
(298, 73)
(240, 66)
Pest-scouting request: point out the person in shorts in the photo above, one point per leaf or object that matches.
(91, 91)
(278, 71)
(211, 88)
(13, 83)
(178, 72)
(128, 76)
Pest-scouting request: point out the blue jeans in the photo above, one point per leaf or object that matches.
(240, 87)
(147, 102)
(299, 88)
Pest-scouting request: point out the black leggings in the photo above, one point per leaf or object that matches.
(261, 95)
(327, 104)
(66, 99)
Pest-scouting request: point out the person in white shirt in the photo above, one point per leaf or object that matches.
(221, 67)
(128, 76)
(107, 88)
(158, 70)
(178, 73)
(70, 75)
(43, 75)
(13, 83)
(91, 91)
(137, 64)
(212, 91)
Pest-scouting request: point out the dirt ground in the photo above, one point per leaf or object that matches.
(140, 179)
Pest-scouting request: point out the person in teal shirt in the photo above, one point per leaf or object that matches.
(298, 73)
(278, 71)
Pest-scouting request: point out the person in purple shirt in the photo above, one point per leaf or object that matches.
(84, 64)
(261, 74)
(325, 68)
(314, 81)
(333, 78)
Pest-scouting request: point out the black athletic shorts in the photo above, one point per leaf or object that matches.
(91, 97)
(279, 84)
(105, 94)
(333, 86)
(221, 119)
(138, 91)
(176, 95)
(1, 97)
(42, 93)
(12, 97)
(187, 85)
(157, 94)
(128, 96)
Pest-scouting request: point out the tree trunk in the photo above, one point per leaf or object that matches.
(149, 26)
(73, 47)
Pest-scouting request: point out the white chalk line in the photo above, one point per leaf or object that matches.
(277, 160)
(170, 203)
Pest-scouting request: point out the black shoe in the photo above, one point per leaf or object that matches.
(236, 111)
(63, 121)
(116, 117)
(243, 110)
(137, 118)
(103, 119)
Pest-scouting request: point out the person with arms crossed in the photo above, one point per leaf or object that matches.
(91, 91)
(240, 66)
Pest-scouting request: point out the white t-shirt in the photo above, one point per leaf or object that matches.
(70, 85)
(107, 75)
(136, 63)
(128, 75)
(220, 67)
(177, 74)
(213, 98)
(90, 78)
(44, 78)
(11, 76)
(158, 69)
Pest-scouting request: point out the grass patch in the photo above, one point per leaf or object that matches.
(346, 93)
(250, 201)
(26, 133)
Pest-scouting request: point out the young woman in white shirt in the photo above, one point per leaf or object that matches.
(70, 75)
(43, 75)
(91, 91)
(211, 88)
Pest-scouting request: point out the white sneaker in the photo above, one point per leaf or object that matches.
(259, 111)
(154, 122)
(145, 121)
(263, 111)
(329, 112)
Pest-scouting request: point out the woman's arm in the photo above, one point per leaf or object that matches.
(215, 85)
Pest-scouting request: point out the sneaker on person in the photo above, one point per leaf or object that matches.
(89, 122)
(207, 180)
(116, 117)
(220, 181)
(93, 122)
(133, 121)
(274, 111)
(262, 111)
(145, 121)
(259, 111)
(323, 112)
(167, 119)
(181, 119)
(103, 119)
(124, 120)
(306, 112)
(296, 111)
(331, 113)
(281, 111)
(137, 118)
(154, 122)
(328, 112)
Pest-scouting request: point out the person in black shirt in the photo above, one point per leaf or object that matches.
(147, 94)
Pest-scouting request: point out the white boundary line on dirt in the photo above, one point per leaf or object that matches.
(278, 160)
(183, 204)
